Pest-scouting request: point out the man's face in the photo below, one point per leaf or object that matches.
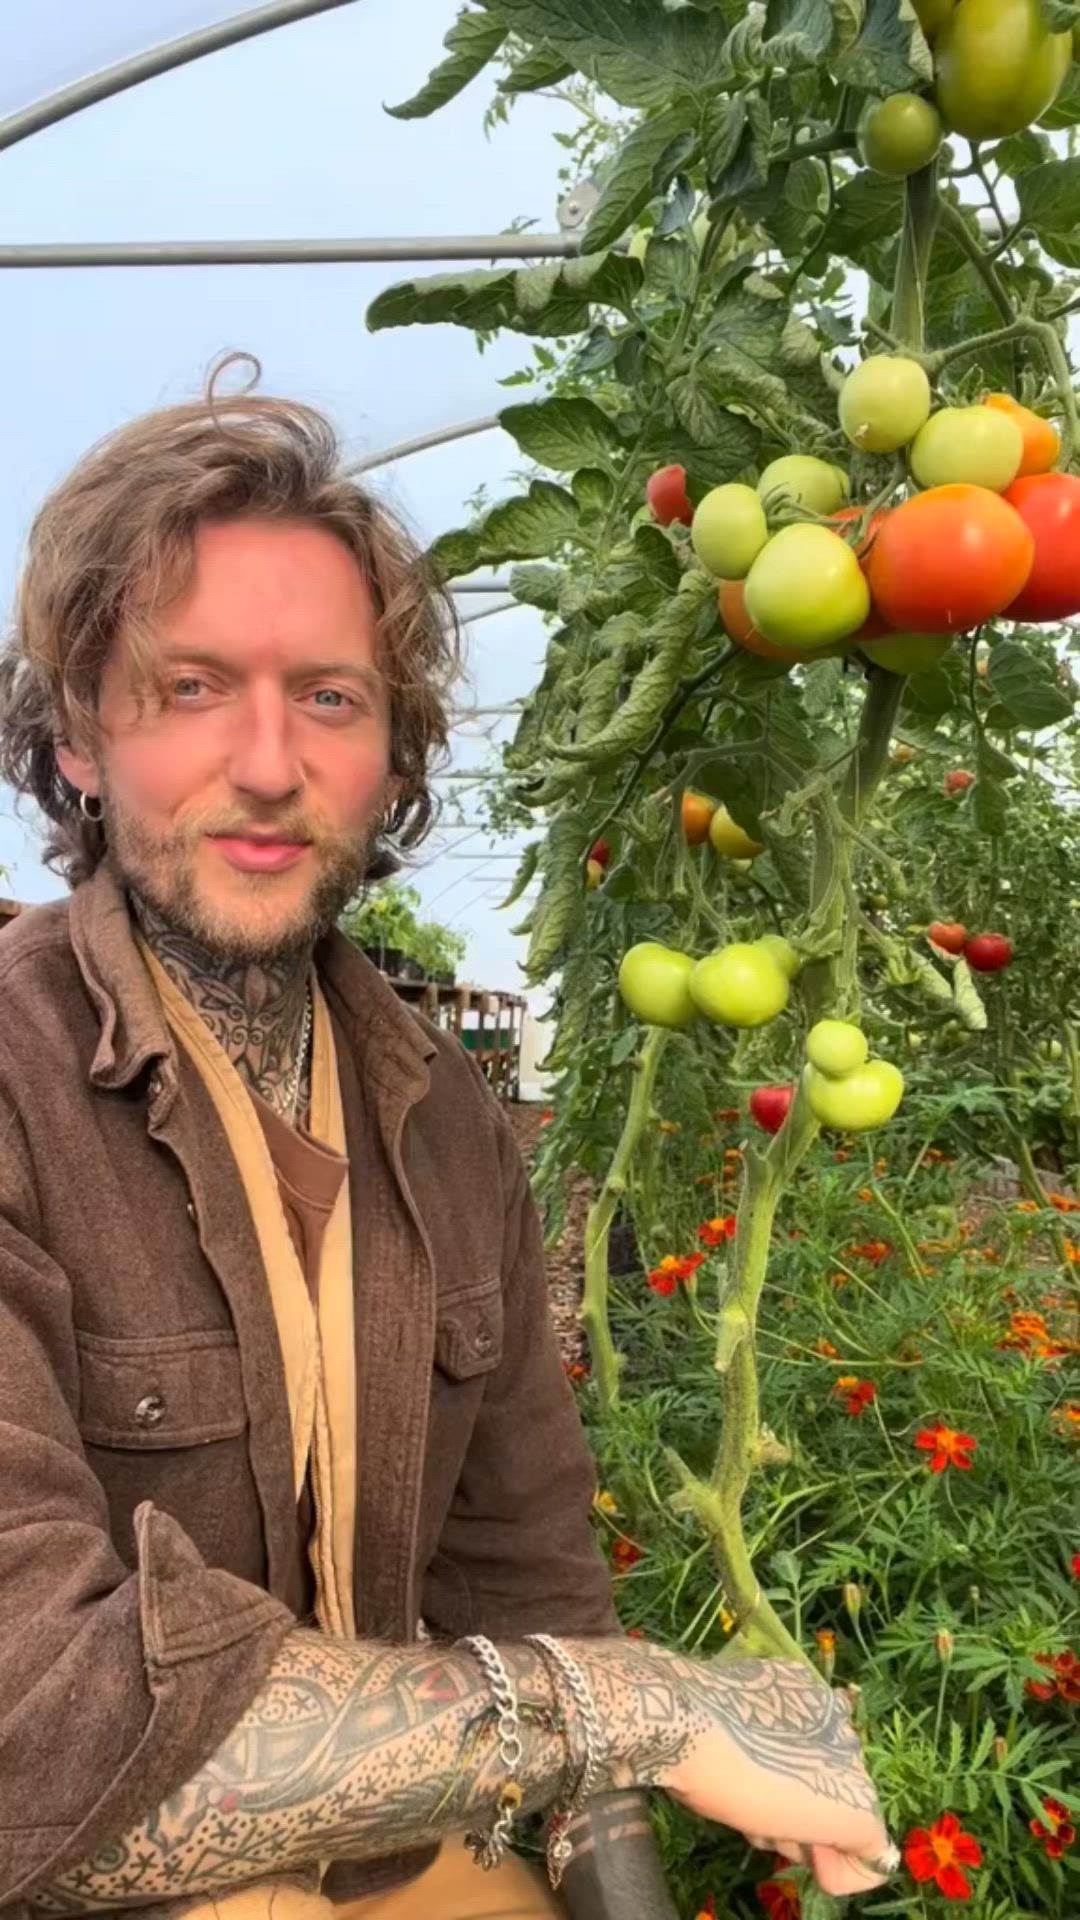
(242, 807)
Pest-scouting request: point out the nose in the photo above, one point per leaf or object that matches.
(265, 760)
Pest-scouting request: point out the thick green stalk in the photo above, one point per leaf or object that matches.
(595, 1315)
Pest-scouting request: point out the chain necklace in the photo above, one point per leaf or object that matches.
(291, 1089)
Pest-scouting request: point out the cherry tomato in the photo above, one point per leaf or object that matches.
(958, 780)
(907, 652)
(884, 401)
(836, 1047)
(988, 952)
(594, 874)
(655, 983)
(804, 480)
(1042, 442)
(781, 952)
(666, 494)
(697, 811)
(729, 838)
(903, 755)
(740, 986)
(949, 935)
(600, 852)
(1049, 506)
(861, 1100)
(948, 559)
(729, 531)
(806, 588)
(899, 135)
(997, 67)
(741, 629)
(770, 1106)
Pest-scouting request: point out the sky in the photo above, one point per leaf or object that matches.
(284, 136)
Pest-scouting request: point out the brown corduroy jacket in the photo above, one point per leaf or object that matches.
(148, 1529)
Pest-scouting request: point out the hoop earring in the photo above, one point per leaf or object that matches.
(86, 802)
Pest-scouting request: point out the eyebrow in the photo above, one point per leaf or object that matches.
(369, 678)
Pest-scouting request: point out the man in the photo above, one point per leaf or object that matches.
(283, 1416)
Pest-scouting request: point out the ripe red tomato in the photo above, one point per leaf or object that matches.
(769, 1107)
(948, 559)
(988, 952)
(666, 494)
(949, 935)
(1049, 506)
(959, 780)
(600, 852)
(697, 813)
(731, 598)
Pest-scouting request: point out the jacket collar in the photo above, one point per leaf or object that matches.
(390, 1044)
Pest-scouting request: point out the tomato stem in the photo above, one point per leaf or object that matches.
(922, 206)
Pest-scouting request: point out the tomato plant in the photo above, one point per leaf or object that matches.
(988, 952)
(755, 305)
(1049, 506)
(665, 491)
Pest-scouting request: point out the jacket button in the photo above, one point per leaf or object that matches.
(150, 1411)
(483, 1344)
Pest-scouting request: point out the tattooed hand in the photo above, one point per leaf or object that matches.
(766, 1747)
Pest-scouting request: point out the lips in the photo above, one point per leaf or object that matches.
(260, 855)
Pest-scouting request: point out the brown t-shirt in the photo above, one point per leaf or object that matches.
(309, 1177)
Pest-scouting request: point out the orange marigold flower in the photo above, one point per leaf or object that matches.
(780, 1898)
(1057, 1832)
(940, 1853)
(826, 1639)
(1065, 1420)
(881, 1166)
(1062, 1203)
(842, 1153)
(727, 1114)
(873, 1250)
(673, 1269)
(625, 1553)
(547, 1116)
(827, 1350)
(577, 1371)
(670, 1126)
(732, 1153)
(1027, 1206)
(949, 1448)
(838, 1280)
(856, 1394)
(715, 1232)
(866, 1195)
(1072, 1253)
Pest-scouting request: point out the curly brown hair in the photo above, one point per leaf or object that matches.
(114, 543)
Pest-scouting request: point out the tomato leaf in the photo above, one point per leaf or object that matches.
(797, 32)
(1065, 111)
(1022, 151)
(530, 860)
(1049, 196)
(554, 298)
(562, 433)
(722, 129)
(540, 67)
(1059, 15)
(644, 166)
(529, 526)
(989, 804)
(891, 53)
(473, 40)
(642, 54)
(1024, 684)
(537, 586)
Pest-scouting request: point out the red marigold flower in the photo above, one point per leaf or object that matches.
(940, 1853)
(1058, 1833)
(1076, 1565)
(665, 1278)
(949, 1448)
(715, 1232)
(547, 1117)
(873, 1250)
(856, 1394)
(625, 1553)
(1065, 1668)
(780, 1898)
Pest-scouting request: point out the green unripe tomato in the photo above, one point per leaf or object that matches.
(781, 953)
(1051, 1049)
(805, 480)
(967, 446)
(907, 652)
(639, 242)
(655, 984)
(899, 135)
(883, 402)
(806, 589)
(740, 986)
(932, 15)
(863, 1099)
(729, 530)
(997, 67)
(916, 1040)
(836, 1047)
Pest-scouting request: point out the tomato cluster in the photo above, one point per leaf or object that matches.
(745, 984)
(845, 1088)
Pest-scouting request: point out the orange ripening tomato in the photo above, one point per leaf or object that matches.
(697, 813)
(731, 599)
(1042, 442)
(1049, 506)
(875, 626)
(949, 559)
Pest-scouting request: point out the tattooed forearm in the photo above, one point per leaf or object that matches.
(354, 1750)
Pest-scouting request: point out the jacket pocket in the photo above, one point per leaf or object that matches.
(469, 1332)
(175, 1390)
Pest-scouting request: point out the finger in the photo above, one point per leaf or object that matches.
(841, 1873)
(794, 1851)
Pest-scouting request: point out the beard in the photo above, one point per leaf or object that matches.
(256, 919)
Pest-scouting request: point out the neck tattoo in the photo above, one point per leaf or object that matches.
(261, 1013)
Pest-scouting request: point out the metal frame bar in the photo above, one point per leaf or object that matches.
(155, 60)
(441, 437)
(288, 253)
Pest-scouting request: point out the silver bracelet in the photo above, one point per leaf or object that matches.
(559, 1846)
(487, 1849)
